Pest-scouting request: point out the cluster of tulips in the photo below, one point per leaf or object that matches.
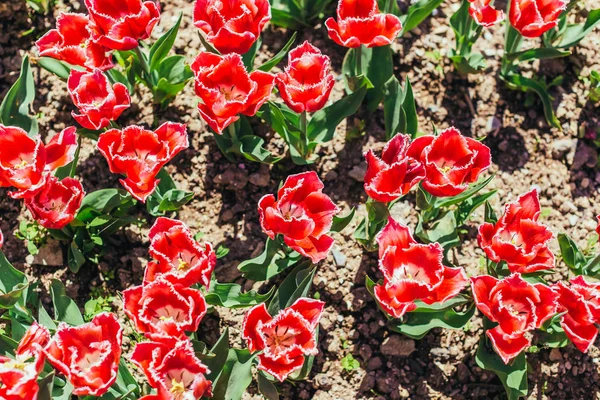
(102, 57)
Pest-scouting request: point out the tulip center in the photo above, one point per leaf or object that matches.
(21, 165)
(290, 211)
(230, 93)
(280, 337)
(183, 265)
(177, 388)
(168, 313)
(89, 360)
(15, 364)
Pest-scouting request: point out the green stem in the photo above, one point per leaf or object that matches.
(512, 44)
(358, 55)
(303, 129)
(75, 158)
(145, 67)
(232, 133)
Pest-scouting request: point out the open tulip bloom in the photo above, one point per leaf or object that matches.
(232, 26)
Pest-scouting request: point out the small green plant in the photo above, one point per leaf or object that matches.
(594, 86)
(97, 305)
(349, 363)
(33, 234)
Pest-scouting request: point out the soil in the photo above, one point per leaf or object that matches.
(526, 153)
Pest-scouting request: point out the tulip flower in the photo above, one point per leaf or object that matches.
(26, 161)
(161, 309)
(451, 161)
(18, 376)
(119, 24)
(72, 43)
(302, 214)
(359, 22)
(88, 355)
(139, 154)
(517, 306)
(598, 226)
(306, 83)
(227, 89)
(285, 339)
(181, 260)
(413, 271)
(534, 17)
(580, 302)
(392, 176)
(518, 238)
(173, 369)
(98, 101)
(484, 13)
(232, 26)
(56, 204)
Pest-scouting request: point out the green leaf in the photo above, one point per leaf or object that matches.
(235, 376)
(75, 257)
(489, 214)
(222, 251)
(271, 262)
(217, 357)
(574, 33)
(339, 223)
(324, 122)
(266, 387)
(349, 363)
(294, 286)
(592, 267)
(46, 385)
(443, 231)
(163, 45)
(529, 84)
(65, 309)
(379, 70)
(417, 13)
(14, 110)
(466, 208)
(512, 376)
(399, 109)
(473, 64)
(230, 295)
(13, 284)
(285, 19)
(249, 57)
(419, 322)
(175, 199)
(251, 147)
(571, 254)
(441, 202)
(267, 66)
(540, 53)
(54, 66)
(285, 123)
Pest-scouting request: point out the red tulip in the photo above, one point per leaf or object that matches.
(451, 161)
(26, 161)
(181, 260)
(227, 89)
(517, 306)
(285, 339)
(140, 154)
(32, 344)
(98, 101)
(56, 204)
(18, 376)
(119, 24)
(392, 176)
(161, 309)
(359, 22)
(598, 227)
(88, 355)
(581, 304)
(518, 238)
(72, 43)
(303, 214)
(534, 17)
(306, 83)
(18, 379)
(413, 271)
(484, 13)
(173, 369)
(1, 239)
(232, 26)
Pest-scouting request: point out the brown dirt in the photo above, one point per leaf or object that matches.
(526, 153)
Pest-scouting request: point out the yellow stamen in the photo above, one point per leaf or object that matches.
(183, 265)
(22, 164)
(177, 387)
